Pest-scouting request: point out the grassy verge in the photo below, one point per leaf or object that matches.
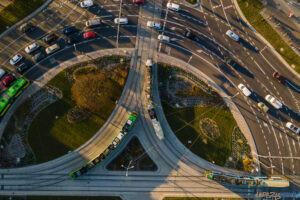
(207, 127)
(51, 135)
(185, 124)
(251, 9)
(16, 11)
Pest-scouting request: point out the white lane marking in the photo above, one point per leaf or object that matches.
(259, 68)
(217, 6)
(230, 6)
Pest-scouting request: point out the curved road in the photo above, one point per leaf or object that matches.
(178, 174)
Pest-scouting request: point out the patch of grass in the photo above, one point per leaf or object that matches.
(50, 137)
(251, 9)
(16, 11)
(185, 124)
(191, 1)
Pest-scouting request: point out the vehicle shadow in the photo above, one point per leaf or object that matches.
(248, 45)
(291, 113)
(293, 86)
(240, 68)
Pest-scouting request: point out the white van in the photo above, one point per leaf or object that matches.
(173, 6)
(232, 35)
(121, 20)
(2, 72)
(273, 101)
(93, 22)
(244, 89)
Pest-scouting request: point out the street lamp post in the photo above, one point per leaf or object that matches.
(128, 167)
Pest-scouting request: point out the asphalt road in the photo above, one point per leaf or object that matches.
(276, 145)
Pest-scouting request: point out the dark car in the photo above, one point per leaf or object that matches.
(191, 36)
(152, 113)
(22, 67)
(73, 39)
(69, 30)
(50, 38)
(280, 78)
(230, 61)
(39, 56)
(27, 27)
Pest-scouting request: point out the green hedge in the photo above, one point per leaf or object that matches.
(251, 9)
(16, 11)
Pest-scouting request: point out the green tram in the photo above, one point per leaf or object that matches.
(279, 182)
(11, 93)
(92, 163)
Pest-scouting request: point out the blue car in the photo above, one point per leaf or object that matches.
(68, 30)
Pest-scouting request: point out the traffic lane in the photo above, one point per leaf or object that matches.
(132, 20)
(12, 45)
(187, 22)
(242, 69)
(222, 82)
(69, 52)
(168, 52)
(55, 21)
(250, 116)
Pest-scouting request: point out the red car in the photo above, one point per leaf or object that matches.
(280, 78)
(138, 1)
(90, 34)
(7, 81)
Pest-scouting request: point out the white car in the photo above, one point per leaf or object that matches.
(173, 6)
(293, 128)
(121, 21)
(244, 89)
(163, 38)
(149, 62)
(17, 58)
(31, 48)
(153, 24)
(232, 35)
(273, 101)
(86, 3)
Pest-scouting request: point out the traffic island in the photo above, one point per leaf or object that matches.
(56, 127)
(200, 118)
(133, 156)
